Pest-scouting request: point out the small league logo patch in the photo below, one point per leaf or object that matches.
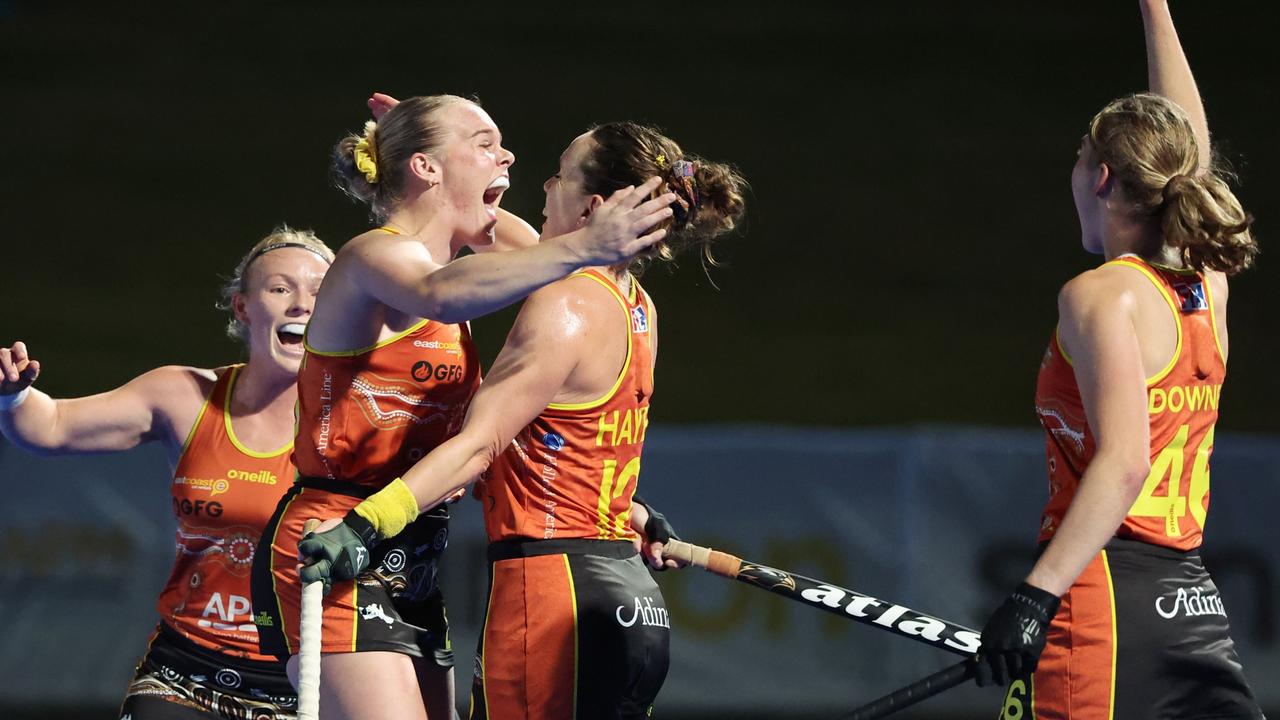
(1192, 296)
(639, 320)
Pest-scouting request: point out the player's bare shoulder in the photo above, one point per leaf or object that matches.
(1109, 288)
(574, 305)
(176, 394)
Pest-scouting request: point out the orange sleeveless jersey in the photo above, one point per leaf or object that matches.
(365, 416)
(572, 471)
(1182, 406)
(223, 495)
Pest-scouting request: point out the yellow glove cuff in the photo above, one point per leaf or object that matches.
(390, 509)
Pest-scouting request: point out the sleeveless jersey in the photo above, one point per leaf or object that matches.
(572, 471)
(365, 416)
(223, 495)
(1182, 406)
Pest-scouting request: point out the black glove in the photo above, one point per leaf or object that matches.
(1014, 637)
(657, 529)
(339, 553)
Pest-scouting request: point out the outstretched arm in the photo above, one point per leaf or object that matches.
(477, 285)
(1169, 73)
(116, 420)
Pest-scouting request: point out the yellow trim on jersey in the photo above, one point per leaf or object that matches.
(390, 230)
(1140, 266)
(573, 597)
(653, 323)
(1062, 350)
(368, 348)
(626, 366)
(191, 434)
(1111, 595)
(1213, 318)
(231, 433)
(275, 591)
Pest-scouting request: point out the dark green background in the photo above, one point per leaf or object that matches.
(910, 219)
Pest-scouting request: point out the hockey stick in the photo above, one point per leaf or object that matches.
(309, 650)
(901, 621)
(918, 691)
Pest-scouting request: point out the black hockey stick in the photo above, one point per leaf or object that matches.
(901, 621)
(918, 691)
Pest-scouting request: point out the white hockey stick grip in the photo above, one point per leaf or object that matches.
(309, 650)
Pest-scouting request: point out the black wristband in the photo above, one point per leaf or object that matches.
(362, 528)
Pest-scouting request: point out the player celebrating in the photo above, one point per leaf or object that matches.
(1128, 396)
(227, 433)
(576, 627)
(389, 371)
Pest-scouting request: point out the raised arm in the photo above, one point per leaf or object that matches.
(139, 411)
(477, 285)
(1169, 73)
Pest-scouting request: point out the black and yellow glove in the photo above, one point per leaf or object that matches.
(342, 552)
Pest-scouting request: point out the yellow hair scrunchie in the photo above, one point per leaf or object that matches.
(366, 154)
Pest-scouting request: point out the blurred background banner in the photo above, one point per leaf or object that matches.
(941, 520)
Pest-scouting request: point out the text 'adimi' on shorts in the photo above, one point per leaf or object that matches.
(1142, 633)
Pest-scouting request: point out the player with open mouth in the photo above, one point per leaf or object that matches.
(559, 424)
(388, 372)
(228, 433)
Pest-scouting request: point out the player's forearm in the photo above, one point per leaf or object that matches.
(1168, 72)
(33, 425)
(477, 285)
(449, 468)
(1107, 491)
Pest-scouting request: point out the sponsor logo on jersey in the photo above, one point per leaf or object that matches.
(1191, 296)
(187, 506)
(263, 619)
(639, 320)
(1190, 604)
(261, 477)
(644, 612)
(451, 347)
(554, 441)
(213, 486)
(225, 613)
(423, 371)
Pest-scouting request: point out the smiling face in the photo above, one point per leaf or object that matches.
(279, 293)
(473, 169)
(568, 204)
